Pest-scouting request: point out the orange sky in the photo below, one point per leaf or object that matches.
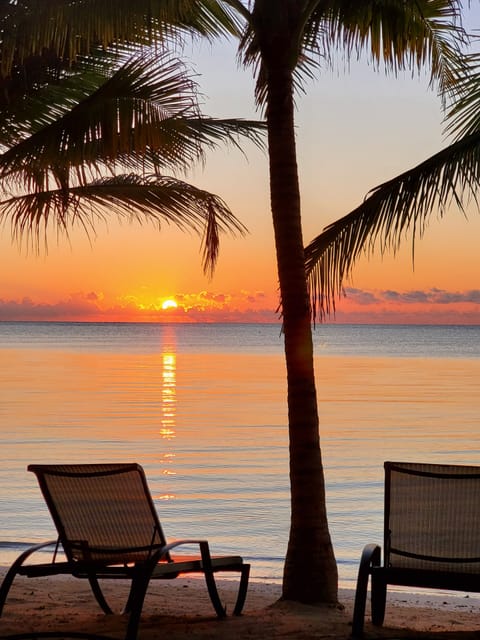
(355, 130)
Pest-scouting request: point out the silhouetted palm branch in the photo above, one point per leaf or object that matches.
(139, 199)
(405, 203)
(74, 28)
(145, 117)
(464, 116)
(391, 210)
(435, 35)
(378, 28)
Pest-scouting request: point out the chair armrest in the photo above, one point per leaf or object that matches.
(203, 545)
(26, 554)
(371, 556)
(177, 543)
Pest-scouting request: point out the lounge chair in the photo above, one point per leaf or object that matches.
(431, 535)
(108, 528)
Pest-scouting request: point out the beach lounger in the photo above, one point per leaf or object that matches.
(431, 535)
(108, 528)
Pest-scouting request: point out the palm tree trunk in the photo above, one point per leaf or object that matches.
(310, 573)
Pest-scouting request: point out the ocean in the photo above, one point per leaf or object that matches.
(203, 408)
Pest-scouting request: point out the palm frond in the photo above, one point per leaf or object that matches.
(37, 96)
(108, 122)
(464, 115)
(401, 35)
(145, 117)
(391, 211)
(398, 34)
(210, 132)
(73, 28)
(151, 199)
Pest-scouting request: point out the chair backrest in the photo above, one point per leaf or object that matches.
(432, 517)
(103, 513)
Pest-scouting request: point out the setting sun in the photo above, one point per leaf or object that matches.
(169, 304)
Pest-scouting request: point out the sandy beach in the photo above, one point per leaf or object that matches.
(180, 609)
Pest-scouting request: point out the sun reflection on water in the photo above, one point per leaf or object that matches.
(168, 409)
(169, 396)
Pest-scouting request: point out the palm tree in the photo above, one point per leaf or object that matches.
(403, 204)
(285, 40)
(281, 40)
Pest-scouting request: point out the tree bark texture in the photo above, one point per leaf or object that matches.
(310, 573)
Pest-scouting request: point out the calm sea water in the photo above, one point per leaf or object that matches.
(202, 408)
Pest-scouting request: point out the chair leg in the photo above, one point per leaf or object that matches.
(242, 590)
(132, 595)
(370, 556)
(379, 599)
(130, 599)
(99, 597)
(14, 569)
(213, 593)
(210, 579)
(135, 602)
(6, 584)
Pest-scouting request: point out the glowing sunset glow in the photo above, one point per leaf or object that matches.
(169, 304)
(130, 273)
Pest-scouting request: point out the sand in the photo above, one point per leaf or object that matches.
(180, 610)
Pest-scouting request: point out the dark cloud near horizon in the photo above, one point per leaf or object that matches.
(431, 296)
(26, 309)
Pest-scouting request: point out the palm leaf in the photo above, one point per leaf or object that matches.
(106, 124)
(145, 117)
(464, 115)
(45, 90)
(392, 210)
(73, 28)
(150, 199)
(401, 35)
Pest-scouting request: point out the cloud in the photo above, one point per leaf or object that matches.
(361, 297)
(253, 297)
(94, 296)
(429, 306)
(359, 305)
(430, 296)
(76, 306)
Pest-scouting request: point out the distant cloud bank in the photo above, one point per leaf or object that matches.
(432, 306)
(431, 296)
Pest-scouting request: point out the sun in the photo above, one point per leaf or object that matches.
(169, 304)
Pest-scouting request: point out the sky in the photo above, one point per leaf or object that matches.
(356, 128)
